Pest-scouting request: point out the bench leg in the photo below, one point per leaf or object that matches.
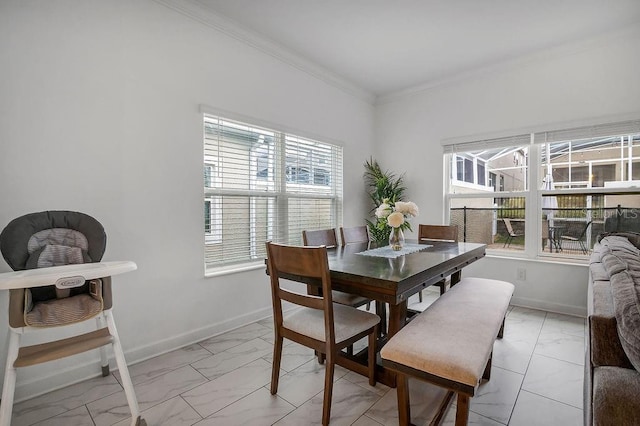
(462, 412)
(501, 332)
(404, 413)
(487, 369)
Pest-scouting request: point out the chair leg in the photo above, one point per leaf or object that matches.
(9, 386)
(275, 368)
(404, 412)
(368, 306)
(124, 371)
(372, 356)
(104, 360)
(420, 296)
(328, 388)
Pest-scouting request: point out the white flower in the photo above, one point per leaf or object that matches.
(409, 208)
(395, 219)
(383, 210)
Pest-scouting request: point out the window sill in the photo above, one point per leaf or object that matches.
(539, 259)
(217, 272)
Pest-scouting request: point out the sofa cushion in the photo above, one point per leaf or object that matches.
(615, 396)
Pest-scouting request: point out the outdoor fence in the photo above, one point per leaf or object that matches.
(565, 231)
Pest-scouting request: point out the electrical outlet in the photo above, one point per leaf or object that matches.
(522, 274)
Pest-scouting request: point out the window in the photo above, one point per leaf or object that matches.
(262, 184)
(547, 193)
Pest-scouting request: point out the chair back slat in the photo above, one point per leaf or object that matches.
(356, 234)
(309, 301)
(320, 237)
(438, 232)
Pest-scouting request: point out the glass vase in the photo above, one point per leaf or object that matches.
(396, 239)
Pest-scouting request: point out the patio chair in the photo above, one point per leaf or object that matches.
(511, 233)
(437, 233)
(61, 293)
(580, 238)
(319, 324)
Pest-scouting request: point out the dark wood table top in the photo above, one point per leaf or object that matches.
(394, 280)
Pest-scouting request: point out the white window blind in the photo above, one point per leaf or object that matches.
(262, 184)
(485, 144)
(586, 132)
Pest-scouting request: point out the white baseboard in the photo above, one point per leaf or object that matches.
(543, 305)
(61, 378)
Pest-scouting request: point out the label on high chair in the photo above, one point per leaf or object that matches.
(69, 282)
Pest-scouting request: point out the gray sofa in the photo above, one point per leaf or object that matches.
(612, 365)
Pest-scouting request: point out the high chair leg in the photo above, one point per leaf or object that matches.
(9, 386)
(104, 360)
(124, 371)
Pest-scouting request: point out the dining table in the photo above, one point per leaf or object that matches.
(391, 278)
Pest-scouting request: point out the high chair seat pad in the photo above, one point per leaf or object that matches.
(65, 311)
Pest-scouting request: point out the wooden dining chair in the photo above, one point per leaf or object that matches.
(328, 238)
(319, 324)
(355, 234)
(360, 234)
(437, 233)
(320, 237)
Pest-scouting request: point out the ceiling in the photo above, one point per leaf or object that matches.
(387, 46)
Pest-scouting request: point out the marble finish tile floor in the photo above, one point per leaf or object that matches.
(536, 379)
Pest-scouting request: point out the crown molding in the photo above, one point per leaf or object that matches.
(201, 13)
(564, 50)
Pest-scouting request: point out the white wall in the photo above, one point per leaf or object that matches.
(587, 81)
(99, 112)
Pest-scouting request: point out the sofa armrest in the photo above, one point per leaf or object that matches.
(604, 342)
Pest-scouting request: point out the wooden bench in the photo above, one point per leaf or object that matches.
(450, 344)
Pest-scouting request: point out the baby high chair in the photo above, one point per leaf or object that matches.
(59, 280)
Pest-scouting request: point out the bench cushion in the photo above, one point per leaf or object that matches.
(453, 338)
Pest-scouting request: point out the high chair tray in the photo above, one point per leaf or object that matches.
(48, 276)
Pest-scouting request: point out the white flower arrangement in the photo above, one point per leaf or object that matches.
(397, 214)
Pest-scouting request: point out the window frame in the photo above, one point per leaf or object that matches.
(273, 188)
(533, 194)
